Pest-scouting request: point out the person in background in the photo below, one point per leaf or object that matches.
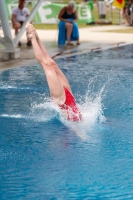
(128, 12)
(19, 15)
(68, 29)
(59, 87)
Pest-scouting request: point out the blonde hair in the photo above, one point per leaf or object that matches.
(72, 4)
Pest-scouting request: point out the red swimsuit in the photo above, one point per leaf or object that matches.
(71, 107)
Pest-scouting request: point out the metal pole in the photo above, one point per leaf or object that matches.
(8, 41)
(111, 13)
(19, 35)
(120, 13)
(131, 15)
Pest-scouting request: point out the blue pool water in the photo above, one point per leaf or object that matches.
(44, 157)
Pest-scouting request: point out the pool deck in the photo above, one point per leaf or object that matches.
(92, 39)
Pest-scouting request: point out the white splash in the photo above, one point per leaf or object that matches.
(91, 108)
(12, 116)
(44, 111)
(90, 105)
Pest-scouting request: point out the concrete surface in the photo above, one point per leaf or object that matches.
(92, 38)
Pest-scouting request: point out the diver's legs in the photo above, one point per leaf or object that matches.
(54, 83)
(59, 73)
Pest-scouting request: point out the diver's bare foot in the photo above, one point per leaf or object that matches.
(30, 31)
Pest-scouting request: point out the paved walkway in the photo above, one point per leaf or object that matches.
(92, 38)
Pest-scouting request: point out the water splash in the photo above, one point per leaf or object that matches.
(13, 116)
(44, 111)
(91, 106)
(92, 109)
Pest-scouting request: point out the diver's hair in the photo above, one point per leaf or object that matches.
(72, 4)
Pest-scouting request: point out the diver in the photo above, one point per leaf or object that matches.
(59, 87)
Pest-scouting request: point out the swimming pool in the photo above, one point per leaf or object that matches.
(44, 157)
